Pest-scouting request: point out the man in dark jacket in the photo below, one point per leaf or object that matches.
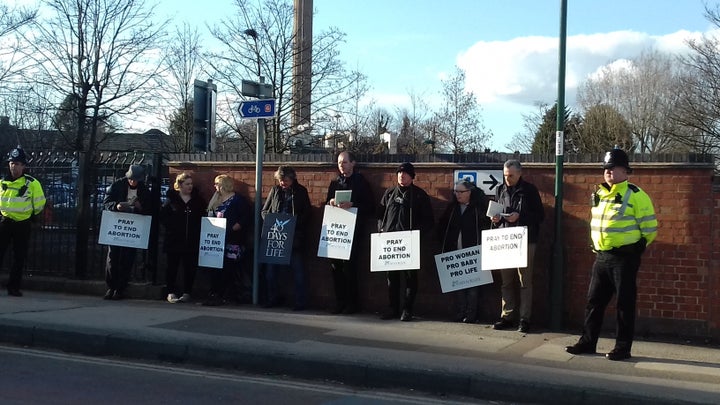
(523, 207)
(129, 194)
(404, 207)
(345, 272)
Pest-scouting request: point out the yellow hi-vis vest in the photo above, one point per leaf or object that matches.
(623, 215)
(21, 198)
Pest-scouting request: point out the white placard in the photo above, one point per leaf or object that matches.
(504, 248)
(212, 242)
(395, 251)
(124, 229)
(337, 232)
(460, 269)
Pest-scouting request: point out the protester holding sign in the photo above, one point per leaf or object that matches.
(236, 210)
(345, 272)
(181, 215)
(460, 227)
(230, 282)
(129, 194)
(404, 207)
(289, 197)
(522, 207)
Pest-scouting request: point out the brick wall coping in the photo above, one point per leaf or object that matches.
(481, 165)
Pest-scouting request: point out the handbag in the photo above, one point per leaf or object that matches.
(234, 252)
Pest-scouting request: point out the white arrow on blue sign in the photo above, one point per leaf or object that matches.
(487, 180)
(257, 109)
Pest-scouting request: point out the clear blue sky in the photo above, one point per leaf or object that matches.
(508, 49)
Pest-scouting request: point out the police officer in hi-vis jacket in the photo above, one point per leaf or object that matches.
(21, 200)
(623, 224)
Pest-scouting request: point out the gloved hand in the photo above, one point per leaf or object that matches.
(640, 246)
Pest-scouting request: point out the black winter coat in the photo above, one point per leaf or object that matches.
(524, 198)
(182, 221)
(294, 201)
(118, 192)
(361, 197)
(471, 222)
(404, 209)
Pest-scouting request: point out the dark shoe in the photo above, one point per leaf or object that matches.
(213, 300)
(468, 319)
(389, 315)
(580, 348)
(337, 310)
(298, 308)
(14, 292)
(503, 323)
(108, 294)
(349, 310)
(618, 354)
(118, 295)
(406, 316)
(524, 326)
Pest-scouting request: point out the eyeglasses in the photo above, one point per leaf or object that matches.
(460, 191)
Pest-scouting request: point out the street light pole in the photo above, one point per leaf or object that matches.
(556, 276)
(259, 151)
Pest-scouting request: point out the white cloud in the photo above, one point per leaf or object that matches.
(525, 70)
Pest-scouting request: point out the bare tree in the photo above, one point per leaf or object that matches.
(12, 20)
(460, 126)
(645, 92)
(411, 134)
(183, 62)
(259, 43)
(603, 128)
(98, 53)
(523, 141)
(698, 113)
(353, 109)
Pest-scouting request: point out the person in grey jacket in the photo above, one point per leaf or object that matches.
(523, 207)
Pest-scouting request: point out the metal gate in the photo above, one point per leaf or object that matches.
(53, 240)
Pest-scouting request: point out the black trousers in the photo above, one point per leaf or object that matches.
(612, 273)
(188, 259)
(345, 280)
(17, 233)
(228, 282)
(411, 287)
(120, 261)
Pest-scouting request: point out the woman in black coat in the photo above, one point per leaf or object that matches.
(461, 226)
(181, 215)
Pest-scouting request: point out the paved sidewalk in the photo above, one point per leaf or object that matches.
(430, 356)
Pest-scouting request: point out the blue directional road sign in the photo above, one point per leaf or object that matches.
(257, 109)
(487, 180)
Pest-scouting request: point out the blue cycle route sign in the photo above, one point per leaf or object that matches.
(257, 109)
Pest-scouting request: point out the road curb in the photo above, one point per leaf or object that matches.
(492, 383)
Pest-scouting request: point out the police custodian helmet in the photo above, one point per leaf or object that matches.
(616, 157)
(17, 155)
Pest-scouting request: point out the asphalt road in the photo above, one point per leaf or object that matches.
(44, 377)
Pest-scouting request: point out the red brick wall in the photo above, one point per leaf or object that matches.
(679, 293)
